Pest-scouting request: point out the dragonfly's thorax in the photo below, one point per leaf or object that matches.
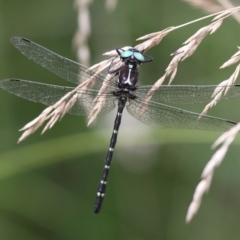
(128, 75)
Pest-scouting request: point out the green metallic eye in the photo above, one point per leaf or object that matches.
(139, 56)
(126, 54)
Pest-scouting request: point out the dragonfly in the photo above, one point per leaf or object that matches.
(121, 89)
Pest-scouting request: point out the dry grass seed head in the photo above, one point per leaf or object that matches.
(63, 105)
(205, 5)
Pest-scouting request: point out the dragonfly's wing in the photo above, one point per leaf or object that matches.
(170, 117)
(186, 94)
(50, 94)
(115, 65)
(63, 67)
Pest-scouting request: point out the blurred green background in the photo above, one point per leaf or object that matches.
(48, 183)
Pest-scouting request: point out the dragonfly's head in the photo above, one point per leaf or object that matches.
(132, 55)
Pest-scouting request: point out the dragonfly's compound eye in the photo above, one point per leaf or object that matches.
(139, 56)
(126, 54)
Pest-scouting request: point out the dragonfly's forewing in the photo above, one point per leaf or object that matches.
(61, 66)
(186, 94)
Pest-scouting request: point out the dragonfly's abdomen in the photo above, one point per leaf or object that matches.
(103, 183)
